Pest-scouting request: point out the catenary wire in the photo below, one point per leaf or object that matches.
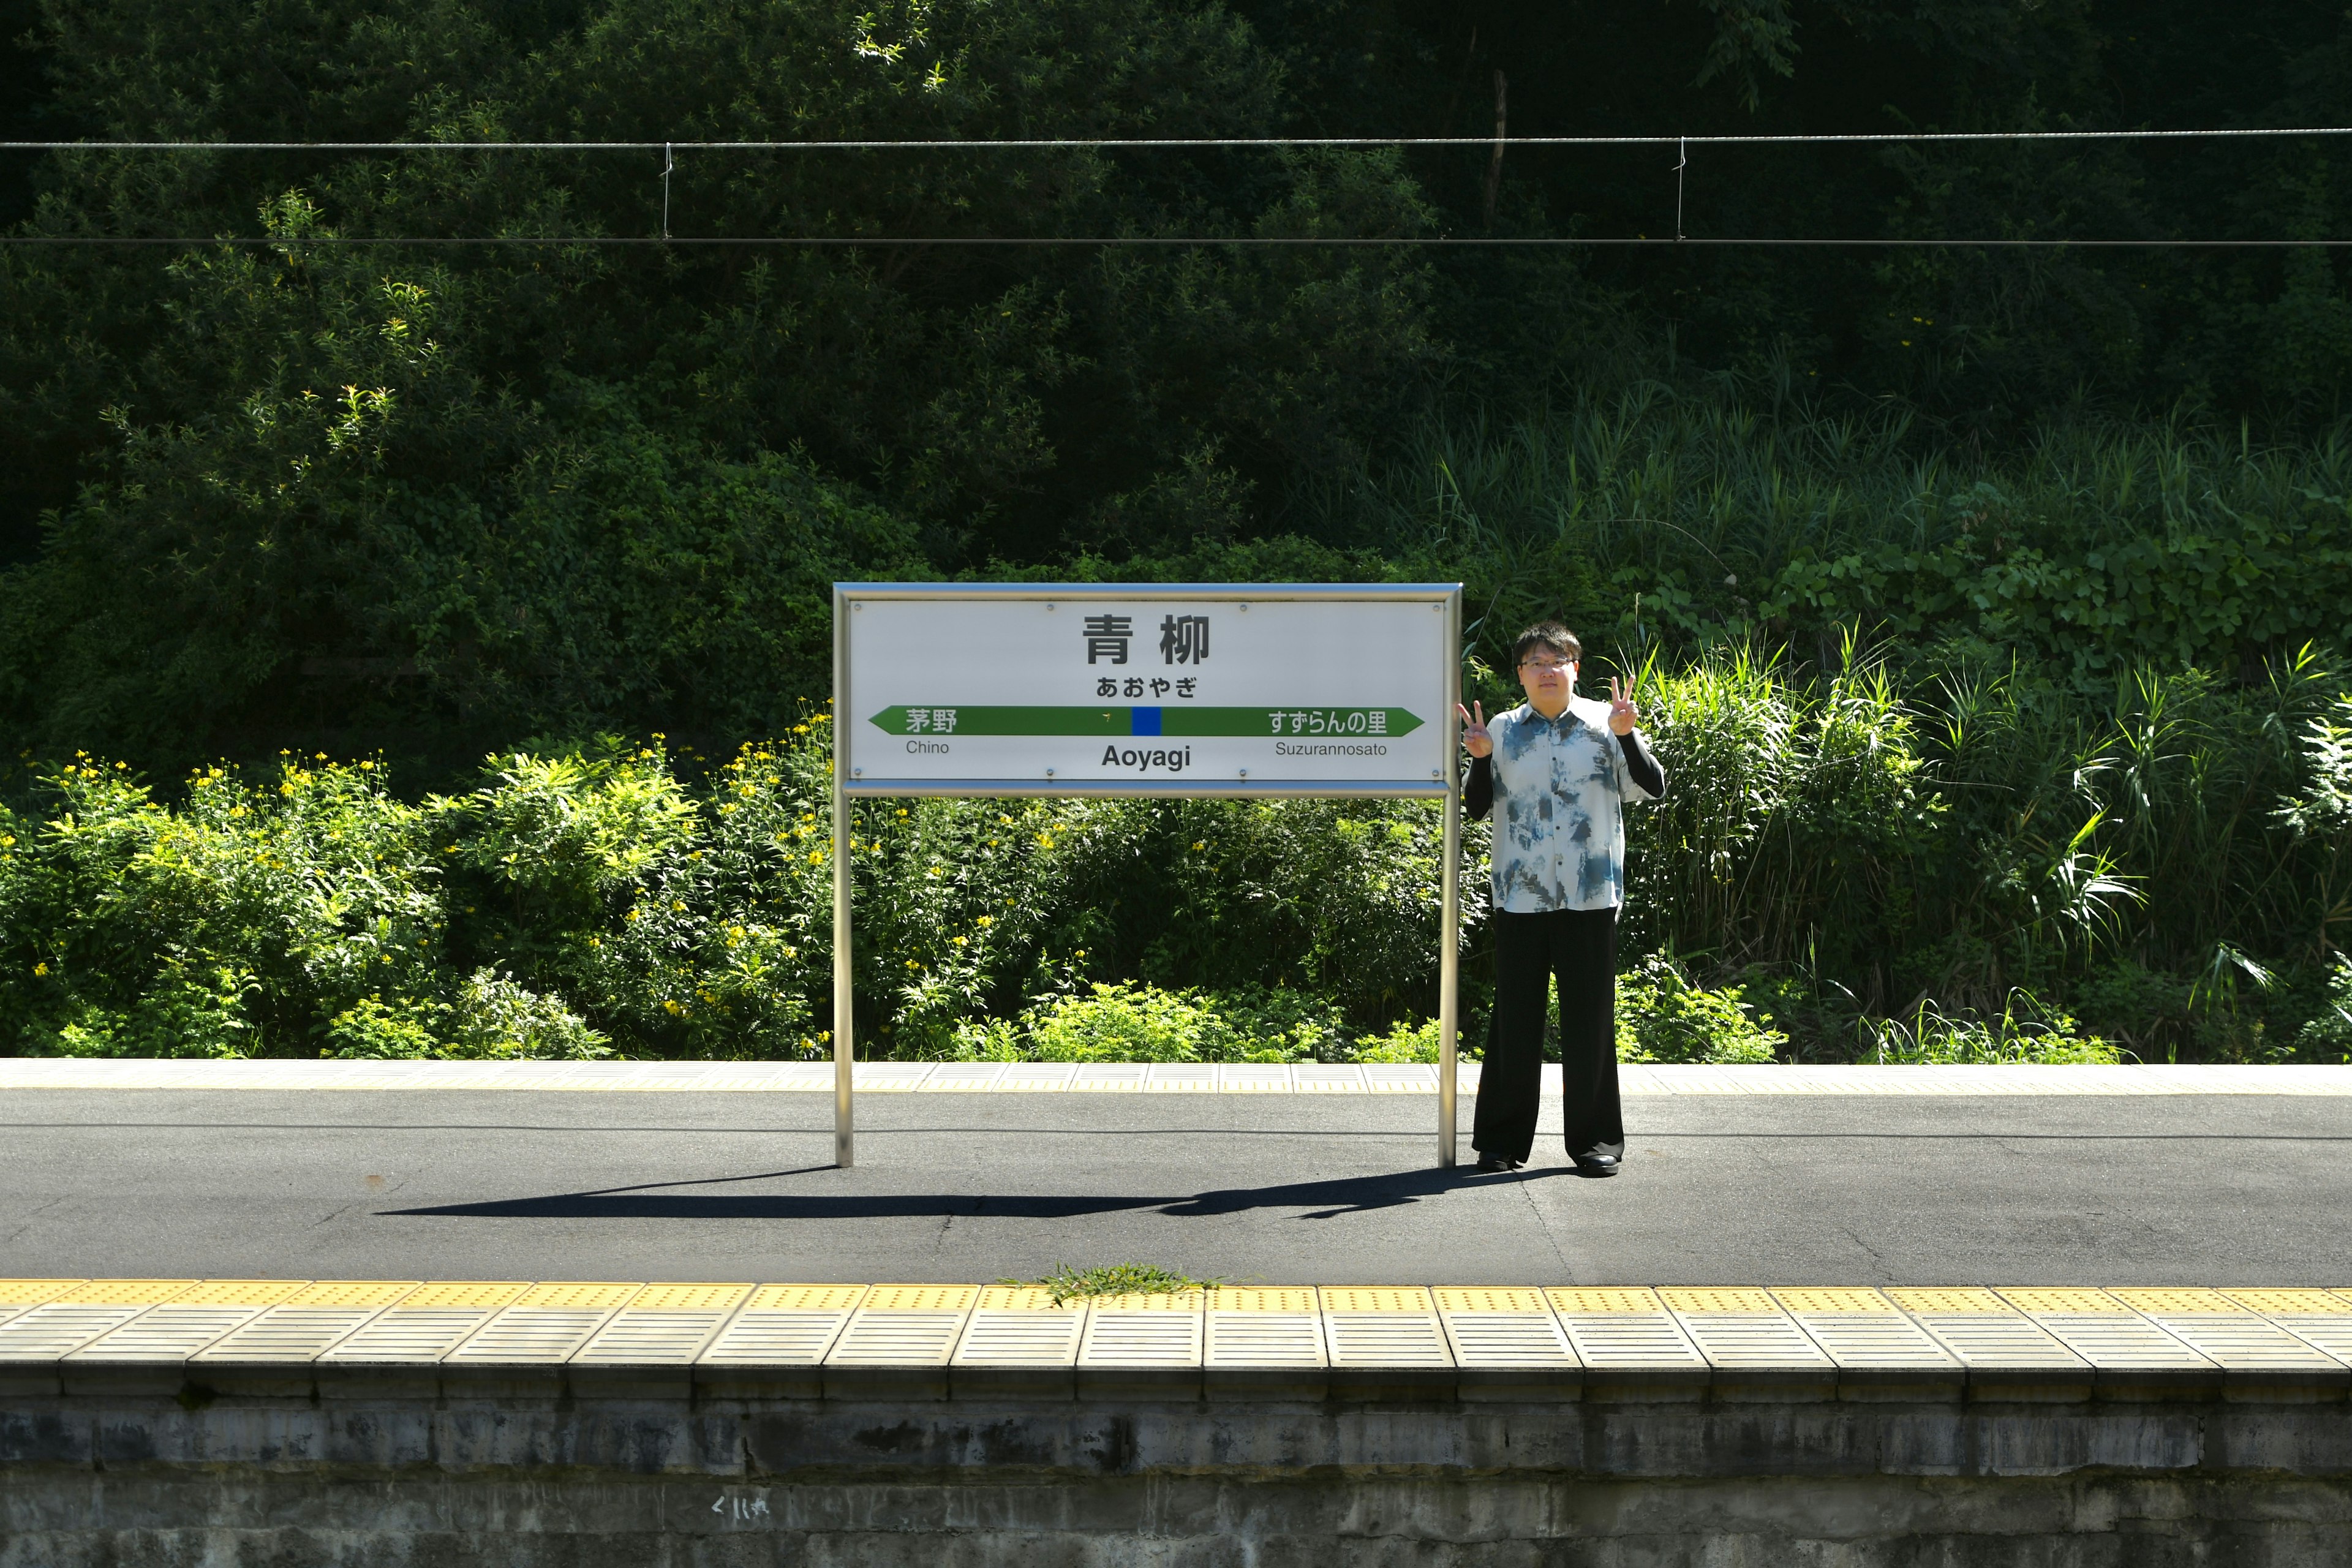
(1160, 242)
(1077, 142)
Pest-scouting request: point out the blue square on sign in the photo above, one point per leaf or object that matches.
(1146, 722)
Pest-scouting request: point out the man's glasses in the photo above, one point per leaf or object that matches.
(1554, 665)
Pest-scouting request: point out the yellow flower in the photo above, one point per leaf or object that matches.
(40, 969)
(959, 942)
(986, 920)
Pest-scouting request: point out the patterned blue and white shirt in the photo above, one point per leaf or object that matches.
(1561, 784)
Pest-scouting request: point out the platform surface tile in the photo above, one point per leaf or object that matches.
(1291, 1338)
(1140, 1078)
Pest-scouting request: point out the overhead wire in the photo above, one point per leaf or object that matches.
(1682, 144)
(1080, 143)
(1168, 242)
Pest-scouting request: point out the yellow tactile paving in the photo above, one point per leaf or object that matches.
(1604, 1299)
(1815, 1299)
(1490, 1298)
(1949, 1298)
(2044, 1299)
(33, 1292)
(2292, 1303)
(369, 1294)
(480, 1295)
(2175, 1300)
(677, 1298)
(583, 1295)
(1376, 1298)
(807, 1298)
(1717, 1299)
(1152, 1301)
(240, 1293)
(922, 1299)
(124, 1292)
(1021, 1298)
(1263, 1298)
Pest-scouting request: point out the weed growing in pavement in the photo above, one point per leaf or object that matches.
(1068, 1284)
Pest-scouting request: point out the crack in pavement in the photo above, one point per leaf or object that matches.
(1528, 1194)
(30, 1218)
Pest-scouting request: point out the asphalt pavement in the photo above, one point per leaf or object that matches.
(1765, 1189)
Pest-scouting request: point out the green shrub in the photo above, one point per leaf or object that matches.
(191, 1009)
(491, 1018)
(1865, 869)
(2026, 1032)
(1408, 1043)
(1122, 1023)
(2328, 1037)
(1662, 1017)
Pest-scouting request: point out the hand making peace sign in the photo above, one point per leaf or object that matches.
(1475, 738)
(1623, 715)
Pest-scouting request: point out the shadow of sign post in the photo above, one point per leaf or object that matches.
(1155, 690)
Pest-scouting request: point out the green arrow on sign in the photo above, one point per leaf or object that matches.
(1326, 723)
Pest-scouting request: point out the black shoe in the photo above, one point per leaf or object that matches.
(1596, 1164)
(1517, 1164)
(1490, 1166)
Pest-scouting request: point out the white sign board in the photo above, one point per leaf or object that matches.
(1159, 690)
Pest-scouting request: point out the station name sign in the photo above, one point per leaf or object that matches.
(1145, 689)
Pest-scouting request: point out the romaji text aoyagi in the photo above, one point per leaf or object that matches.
(1175, 759)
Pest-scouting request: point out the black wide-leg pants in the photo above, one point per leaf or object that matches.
(1578, 948)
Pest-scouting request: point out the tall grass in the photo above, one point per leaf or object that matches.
(1655, 513)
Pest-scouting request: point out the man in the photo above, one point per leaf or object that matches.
(1562, 766)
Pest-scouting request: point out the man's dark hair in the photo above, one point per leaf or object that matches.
(1545, 634)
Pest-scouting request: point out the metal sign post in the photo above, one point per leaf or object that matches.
(1171, 690)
